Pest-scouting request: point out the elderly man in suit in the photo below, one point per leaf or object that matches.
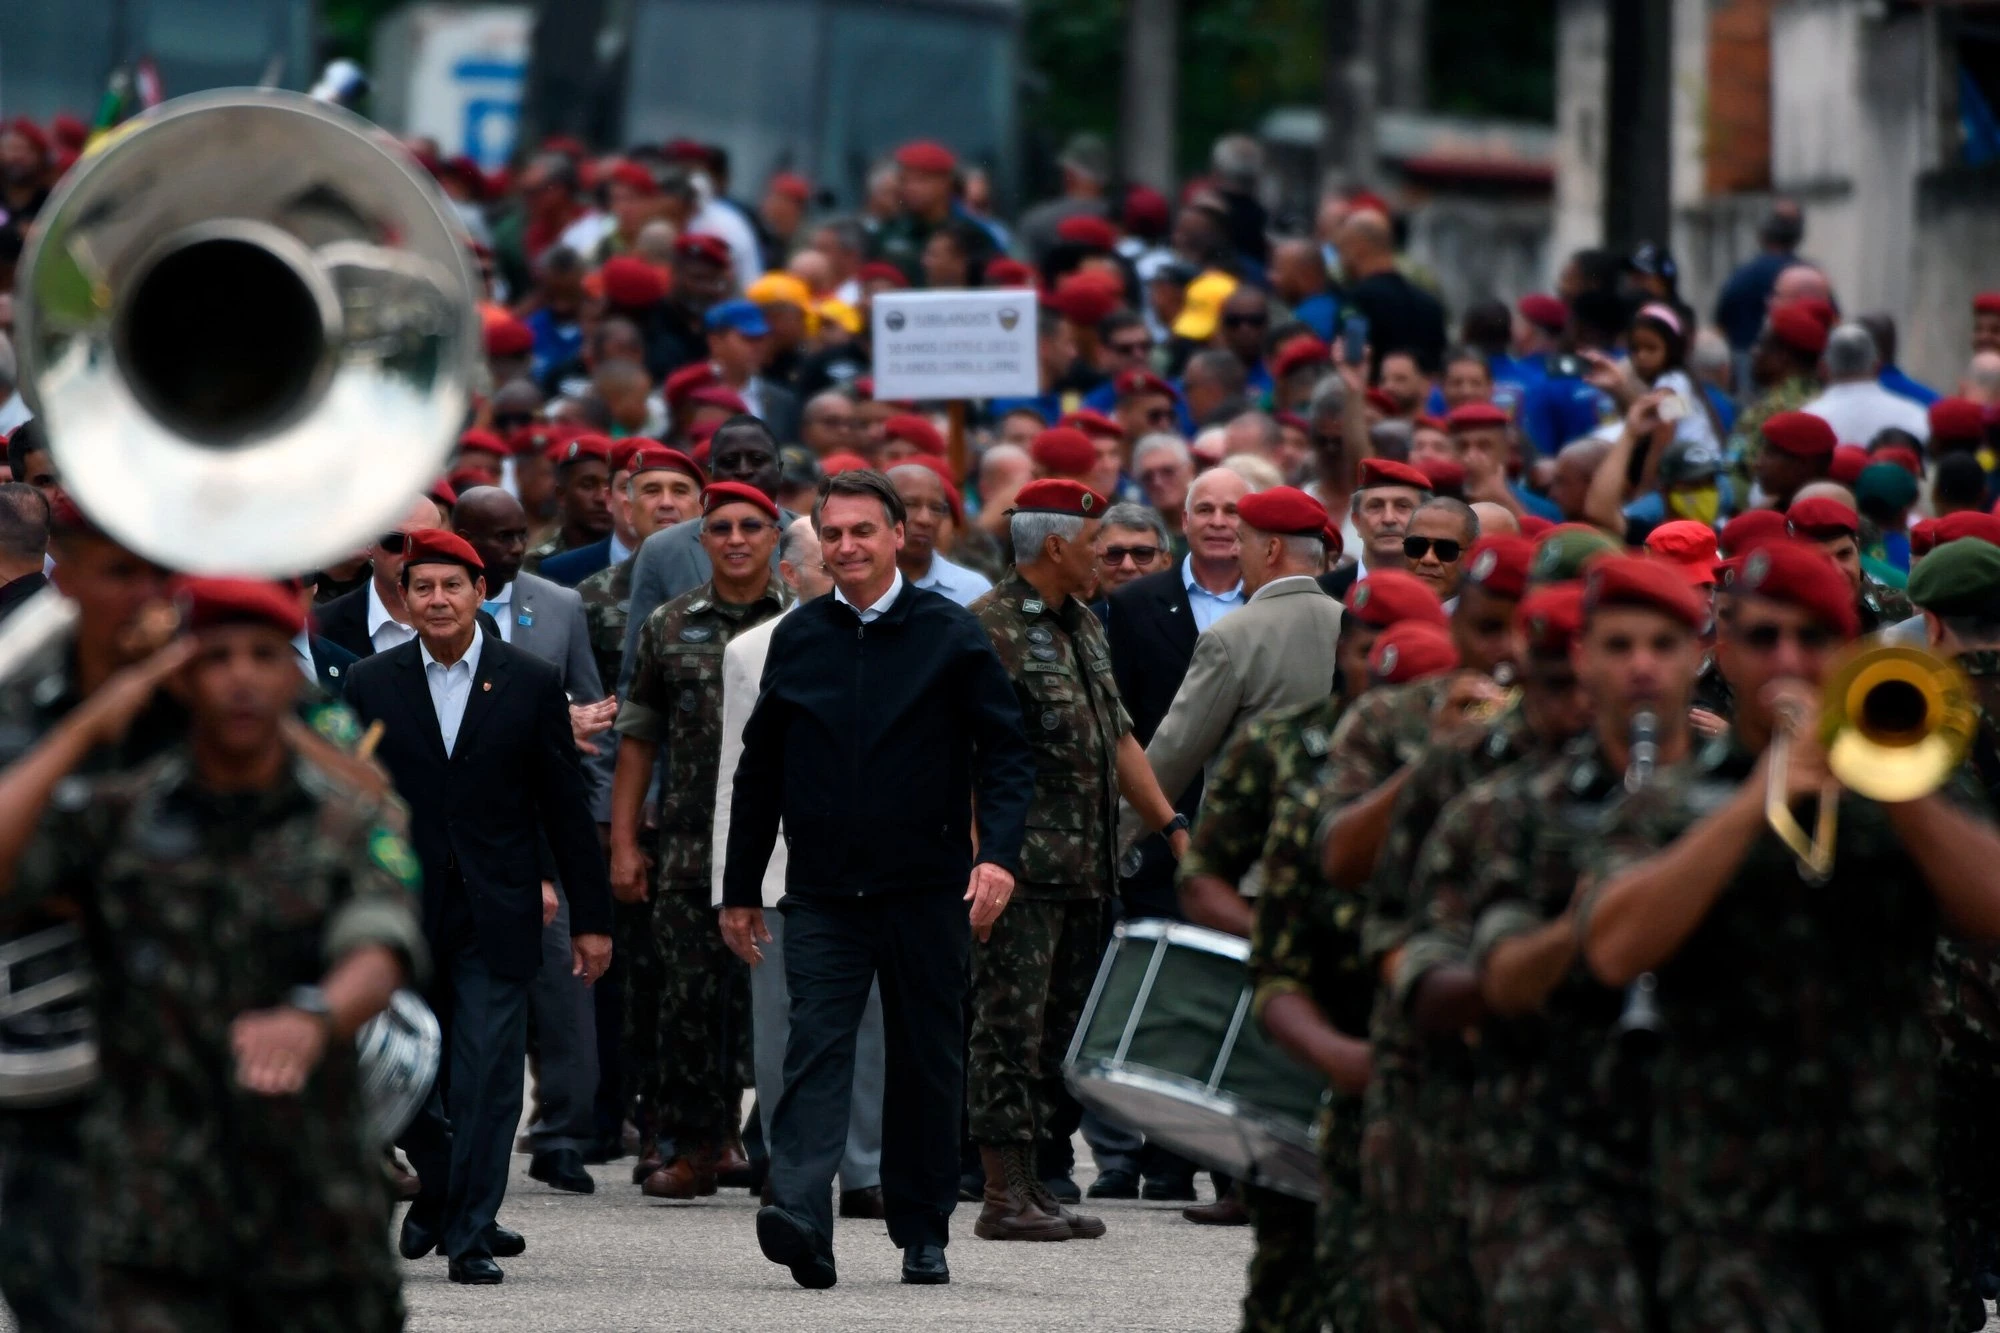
(547, 621)
(477, 738)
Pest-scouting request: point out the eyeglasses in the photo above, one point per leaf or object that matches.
(749, 527)
(1766, 638)
(1448, 550)
(392, 542)
(505, 422)
(1245, 321)
(1138, 555)
(1138, 348)
(1160, 416)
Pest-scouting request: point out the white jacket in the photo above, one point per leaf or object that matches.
(742, 674)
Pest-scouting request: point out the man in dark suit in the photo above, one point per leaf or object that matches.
(478, 741)
(24, 544)
(371, 618)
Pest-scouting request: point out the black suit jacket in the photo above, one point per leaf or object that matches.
(513, 779)
(1150, 628)
(344, 622)
(331, 663)
(1338, 581)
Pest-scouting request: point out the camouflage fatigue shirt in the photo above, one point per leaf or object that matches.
(1747, 440)
(1881, 605)
(1965, 988)
(198, 907)
(1712, 690)
(1275, 759)
(676, 703)
(1794, 1091)
(607, 606)
(1061, 669)
(553, 544)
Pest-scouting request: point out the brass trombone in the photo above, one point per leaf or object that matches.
(1895, 721)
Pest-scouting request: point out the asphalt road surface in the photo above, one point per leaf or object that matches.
(615, 1261)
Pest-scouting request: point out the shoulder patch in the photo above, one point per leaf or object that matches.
(1315, 741)
(388, 850)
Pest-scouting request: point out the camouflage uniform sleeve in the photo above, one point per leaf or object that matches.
(643, 714)
(1503, 903)
(61, 858)
(1390, 921)
(1235, 814)
(1446, 866)
(1280, 943)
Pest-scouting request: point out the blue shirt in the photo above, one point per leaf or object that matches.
(1535, 504)
(451, 687)
(1208, 607)
(556, 344)
(1556, 410)
(1724, 405)
(1895, 381)
(962, 585)
(1739, 309)
(1048, 406)
(1319, 314)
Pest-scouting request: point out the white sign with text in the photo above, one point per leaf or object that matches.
(957, 344)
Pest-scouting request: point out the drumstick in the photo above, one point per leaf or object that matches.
(369, 740)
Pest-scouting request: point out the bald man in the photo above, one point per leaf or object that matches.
(1495, 519)
(1402, 317)
(1801, 282)
(1576, 464)
(1298, 277)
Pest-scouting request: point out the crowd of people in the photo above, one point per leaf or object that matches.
(715, 727)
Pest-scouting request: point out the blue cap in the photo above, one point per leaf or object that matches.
(746, 317)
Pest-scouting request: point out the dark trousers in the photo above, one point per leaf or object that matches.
(917, 945)
(44, 1210)
(566, 1040)
(462, 1142)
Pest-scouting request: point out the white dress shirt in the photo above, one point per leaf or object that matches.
(873, 612)
(962, 585)
(1208, 607)
(302, 649)
(384, 630)
(1858, 411)
(451, 687)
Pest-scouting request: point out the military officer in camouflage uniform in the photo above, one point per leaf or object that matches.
(1792, 1137)
(1958, 587)
(244, 912)
(663, 487)
(675, 704)
(1835, 527)
(1032, 974)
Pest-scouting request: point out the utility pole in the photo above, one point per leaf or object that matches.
(1152, 77)
(1347, 128)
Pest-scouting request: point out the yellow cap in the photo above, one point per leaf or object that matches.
(1203, 309)
(786, 289)
(841, 313)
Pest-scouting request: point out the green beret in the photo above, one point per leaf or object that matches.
(1886, 487)
(1960, 578)
(1563, 551)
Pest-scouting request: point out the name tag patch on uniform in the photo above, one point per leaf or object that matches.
(697, 634)
(1315, 741)
(1054, 668)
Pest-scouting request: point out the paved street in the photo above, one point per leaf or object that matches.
(613, 1261)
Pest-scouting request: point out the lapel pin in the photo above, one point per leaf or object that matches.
(485, 684)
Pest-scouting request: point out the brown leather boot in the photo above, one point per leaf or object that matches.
(649, 1163)
(1010, 1212)
(1081, 1225)
(706, 1157)
(678, 1179)
(1227, 1211)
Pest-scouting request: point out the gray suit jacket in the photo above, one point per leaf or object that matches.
(1276, 651)
(546, 621)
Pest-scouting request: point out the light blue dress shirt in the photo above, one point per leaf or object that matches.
(962, 585)
(1208, 607)
(451, 687)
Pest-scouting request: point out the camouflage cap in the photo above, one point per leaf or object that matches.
(1564, 551)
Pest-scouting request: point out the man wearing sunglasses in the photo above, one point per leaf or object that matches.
(1132, 544)
(1441, 531)
(683, 1053)
(372, 619)
(1145, 404)
(1246, 319)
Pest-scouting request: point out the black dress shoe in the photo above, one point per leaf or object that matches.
(1063, 1188)
(924, 1265)
(562, 1169)
(1117, 1183)
(505, 1244)
(476, 1271)
(419, 1236)
(788, 1241)
(862, 1202)
(1169, 1189)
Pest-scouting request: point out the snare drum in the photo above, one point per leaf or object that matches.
(1168, 1047)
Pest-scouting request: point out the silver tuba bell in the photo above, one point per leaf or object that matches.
(248, 325)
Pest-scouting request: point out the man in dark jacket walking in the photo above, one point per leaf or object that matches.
(886, 727)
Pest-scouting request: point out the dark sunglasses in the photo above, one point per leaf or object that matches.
(392, 542)
(512, 421)
(1160, 416)
(1140, 555)
(1139, 348)
(749, 527)
(1447, 548)
(1766, 638)
(1245, 321)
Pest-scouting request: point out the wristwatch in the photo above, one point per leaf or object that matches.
(1174, 825)
(311, 1000)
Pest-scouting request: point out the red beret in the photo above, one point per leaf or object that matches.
(1132, 383)
(1388, 472)
(443, 492)
(1957, 420)
(436, 546)
(1986, 303)
(632, 284)
(534, 438)
(1094, 424)
(926, 155)
(1391, 596)
(1800, 434)
(863, 388)
(508, 336)
(1299, 353)
(1499, 564)
(1551, 617)
(1411, 651)
(1382, 402)
(68, 130)
(32, 132)
(1446, 475)
(463, 479)
(1004, 272)
(1798, 328)
(1336, 545)
(1923, 536)
(1060, 495)
(1848, 460)
(1751, 529)
(1821, 518)
(1902, 456)
(1088, 231)
(583, 446)
(1283, 510)
(633, 177)
(914, 430)
(1293, 421)
(792, 186)
(1820, 309)
(1633, 580)
(714, 395)
(1534, 525)
(1800, 574)
(483, 441)
(836, 463)
(1547, 313)
(690, 151)
(881, 271)
(1476, 416)
(1688, 545)
(720, 493)
(682, 382)
(1970, 523)
(702, 245)
(623, 451)
(1065, 451)
(1086, 297)
(207, 603)
(650, 457)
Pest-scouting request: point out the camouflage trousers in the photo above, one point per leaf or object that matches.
(1029, 983)
(1341, 1246)
(138, 1300)
(1416, 1216)
(1967, 1166)
(639, 959)
(1284, 1289)
(704, 1018)
(44, 1195)
(1551, 1260)
(1882, 1280)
